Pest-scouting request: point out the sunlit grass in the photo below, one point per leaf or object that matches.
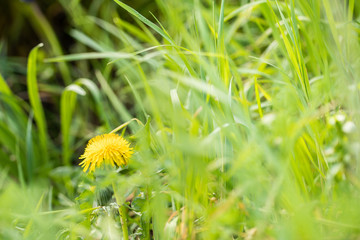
(243, 117)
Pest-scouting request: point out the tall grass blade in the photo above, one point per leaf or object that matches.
(4, 88)
(67, 105)
(30, 149)
(145, 20)
(35, 102)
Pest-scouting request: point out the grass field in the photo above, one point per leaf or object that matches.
(243, 118)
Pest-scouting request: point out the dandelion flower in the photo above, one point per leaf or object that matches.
(107, 148)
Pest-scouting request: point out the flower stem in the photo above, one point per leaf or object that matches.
(122, 212)
(147, 228)
(123, 220)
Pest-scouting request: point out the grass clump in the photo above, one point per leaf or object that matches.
(243, 118)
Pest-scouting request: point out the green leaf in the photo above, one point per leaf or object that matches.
(67, 105)
(145, 20)
(35, 102)
(4, 88)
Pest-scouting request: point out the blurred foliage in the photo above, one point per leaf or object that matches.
(243, 115)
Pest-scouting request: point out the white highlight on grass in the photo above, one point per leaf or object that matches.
(349, 127)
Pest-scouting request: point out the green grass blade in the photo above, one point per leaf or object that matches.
(88, 41)
(35, 102)
(30, 149)
(30, 223)
(19, 164)
(4, 88)
(91, 55)
(258, 97)
(12, 145)
(145, 20)
(137, 97)
(118, 106)
(67, 105)
(243, 8)
(96, 94)
(221, 21)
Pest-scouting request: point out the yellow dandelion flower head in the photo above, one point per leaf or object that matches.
(106, 148)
